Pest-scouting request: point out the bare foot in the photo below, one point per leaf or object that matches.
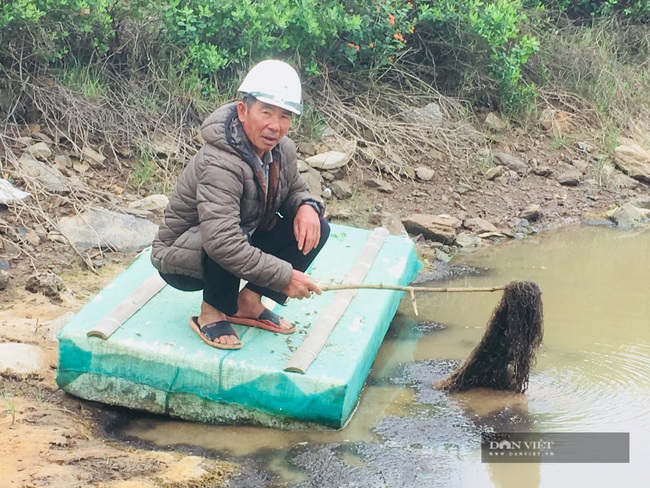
(250, 306)
(210, 314)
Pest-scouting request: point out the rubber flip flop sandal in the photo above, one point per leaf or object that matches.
(267, 321)
(209, 332)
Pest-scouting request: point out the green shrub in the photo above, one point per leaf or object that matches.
(490, 34)
(204, 46)
(211, 43)
(382, 33)
(231, 34)
(20, 12)
(227, 34)
(50, 30)
(208, 43)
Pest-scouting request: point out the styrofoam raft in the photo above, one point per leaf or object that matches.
(155, 362)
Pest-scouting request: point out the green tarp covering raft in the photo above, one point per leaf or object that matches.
(151, 360)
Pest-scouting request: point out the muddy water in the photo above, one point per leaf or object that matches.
(592, 375)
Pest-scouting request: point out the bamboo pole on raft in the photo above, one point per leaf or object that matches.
(314, 342)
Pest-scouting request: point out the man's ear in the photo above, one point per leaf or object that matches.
(242, 110)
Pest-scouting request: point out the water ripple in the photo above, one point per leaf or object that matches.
(607, 390)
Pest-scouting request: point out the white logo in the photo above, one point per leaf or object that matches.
(520, 448)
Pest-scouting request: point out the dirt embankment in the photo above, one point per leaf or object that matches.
(48, 438)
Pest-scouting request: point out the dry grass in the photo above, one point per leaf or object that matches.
(125, 121)
(381, 115)
(600, 73)
(384, 118)
(126, 116)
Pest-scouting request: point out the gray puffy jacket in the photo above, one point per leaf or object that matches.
(218, 195)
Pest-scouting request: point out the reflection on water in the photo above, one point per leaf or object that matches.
(592, 375)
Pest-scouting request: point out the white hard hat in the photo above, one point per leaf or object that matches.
(276, 83)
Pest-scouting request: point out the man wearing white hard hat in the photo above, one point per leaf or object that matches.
(241, 211)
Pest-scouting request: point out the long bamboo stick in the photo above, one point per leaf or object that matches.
(380, 286)
(410, 289)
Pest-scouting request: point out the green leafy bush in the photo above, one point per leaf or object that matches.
(48, 30)
(229, 33)
(206, 45)
(381, 34)
(19, 12)
(490, 33)
(232, 33)
(207, 41)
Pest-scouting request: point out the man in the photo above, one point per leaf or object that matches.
(241, 211)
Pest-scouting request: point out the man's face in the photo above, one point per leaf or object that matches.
(264, 124)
